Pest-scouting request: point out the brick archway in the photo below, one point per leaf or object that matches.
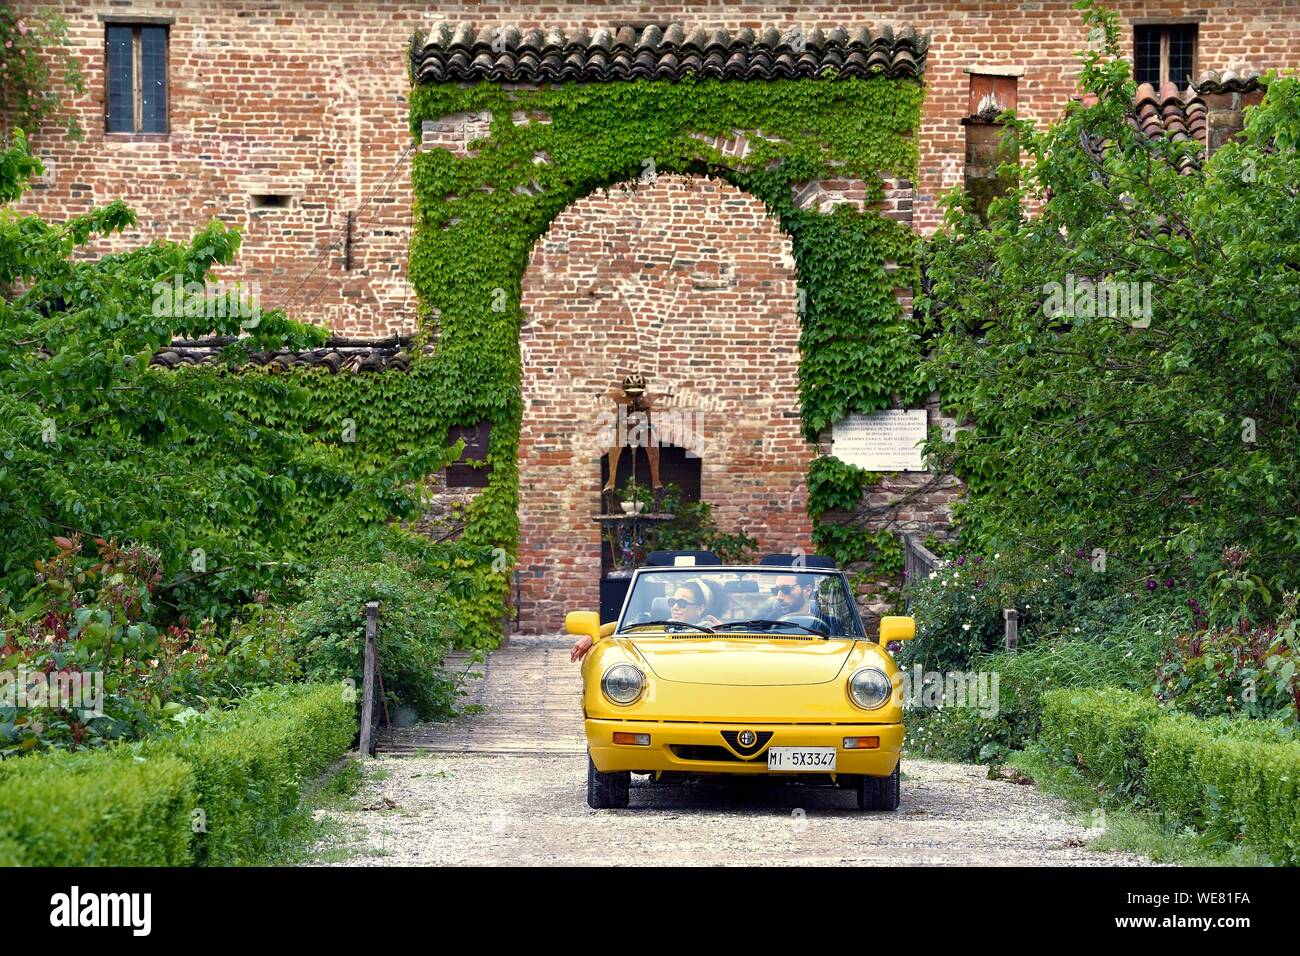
(688, 281)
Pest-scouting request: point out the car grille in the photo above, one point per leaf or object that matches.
(702, 752)
(733, 737)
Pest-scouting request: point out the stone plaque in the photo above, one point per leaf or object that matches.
(881, 441)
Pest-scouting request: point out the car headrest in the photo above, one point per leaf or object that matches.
(786, 560)
(659, 609)
(668, 559)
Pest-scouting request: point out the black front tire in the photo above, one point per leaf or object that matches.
(606, 791)
(880, 793)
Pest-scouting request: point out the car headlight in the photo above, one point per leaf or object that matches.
(869, 688)
(623, 683)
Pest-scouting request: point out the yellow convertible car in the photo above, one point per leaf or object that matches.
(762, 670)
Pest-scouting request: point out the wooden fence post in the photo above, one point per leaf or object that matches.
(1011, 616)
(370, 670)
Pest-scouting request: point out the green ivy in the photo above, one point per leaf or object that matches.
(478, 216)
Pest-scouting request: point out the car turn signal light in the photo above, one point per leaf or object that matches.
(859, 743)
(636, 740)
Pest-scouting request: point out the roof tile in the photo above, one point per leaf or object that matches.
(464, 53)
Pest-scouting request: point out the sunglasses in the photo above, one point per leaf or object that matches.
(682, 602)
(787, 588)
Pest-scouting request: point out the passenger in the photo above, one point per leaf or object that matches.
(690, 604)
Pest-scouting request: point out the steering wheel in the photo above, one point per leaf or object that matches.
(811, 621)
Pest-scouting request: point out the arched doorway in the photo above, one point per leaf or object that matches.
(691, 283)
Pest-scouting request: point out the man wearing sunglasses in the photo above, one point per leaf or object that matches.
(790, 597)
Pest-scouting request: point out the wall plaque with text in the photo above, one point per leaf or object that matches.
(881, 441)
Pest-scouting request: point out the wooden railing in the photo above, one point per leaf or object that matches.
(918, 560)
(373, 698)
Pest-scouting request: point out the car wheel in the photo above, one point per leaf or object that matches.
(879, 793)
(606, 791)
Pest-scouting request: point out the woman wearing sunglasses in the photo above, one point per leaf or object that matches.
(690, 604)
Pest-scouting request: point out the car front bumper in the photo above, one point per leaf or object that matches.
(688, 747)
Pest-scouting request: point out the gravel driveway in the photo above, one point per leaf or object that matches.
(467, 792)
(491, 809)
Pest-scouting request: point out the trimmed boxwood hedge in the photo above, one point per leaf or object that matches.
(95, 808)
(248, 765)
(135, 805)
(1232, 779)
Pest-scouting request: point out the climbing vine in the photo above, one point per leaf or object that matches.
(477, 217)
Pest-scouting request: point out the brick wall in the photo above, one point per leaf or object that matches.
(309, 100)
(690, 283)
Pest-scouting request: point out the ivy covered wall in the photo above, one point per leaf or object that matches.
(480, 210)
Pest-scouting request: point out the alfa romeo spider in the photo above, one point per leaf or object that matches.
(757, 671)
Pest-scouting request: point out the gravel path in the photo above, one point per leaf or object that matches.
(492, 809)
(463, 793)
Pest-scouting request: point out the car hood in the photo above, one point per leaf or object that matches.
(734, 660)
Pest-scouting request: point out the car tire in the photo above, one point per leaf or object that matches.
(606, 791)
(880, 793)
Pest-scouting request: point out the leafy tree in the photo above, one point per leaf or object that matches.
(1150, 433)
(95, 441)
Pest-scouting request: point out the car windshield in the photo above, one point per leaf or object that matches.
(779, 600)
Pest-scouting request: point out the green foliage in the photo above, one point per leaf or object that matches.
(1092, 428)
(835, 485)
(235, 481)
(222, 789)
(1242, 670)
(959, 607)
(1231, 780)
(34, 63)
(1103, 732)
(249, 764)
(478, 216)
(1125, 657)
(414, 633)
(91, 624)
(95, 809)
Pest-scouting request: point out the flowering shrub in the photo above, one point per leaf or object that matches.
(84, 661)
(414, 633)
(959, 608)
(1247, 670)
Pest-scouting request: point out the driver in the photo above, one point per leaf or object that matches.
(791, 596)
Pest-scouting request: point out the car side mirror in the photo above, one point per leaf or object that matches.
(583, 622)
(897, 629)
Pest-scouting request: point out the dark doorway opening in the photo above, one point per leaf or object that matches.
(676, 469)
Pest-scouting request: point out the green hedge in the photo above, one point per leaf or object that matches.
(1103, 733)
(248, 765)
(136, 805)
(95, 808)
(1231, 779)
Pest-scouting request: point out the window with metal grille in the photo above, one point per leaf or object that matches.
(136, 57)
(1164, 53)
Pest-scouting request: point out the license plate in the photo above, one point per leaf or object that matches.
(810, 759)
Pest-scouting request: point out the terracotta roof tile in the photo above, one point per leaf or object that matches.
(336, 355)
(464, 53)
